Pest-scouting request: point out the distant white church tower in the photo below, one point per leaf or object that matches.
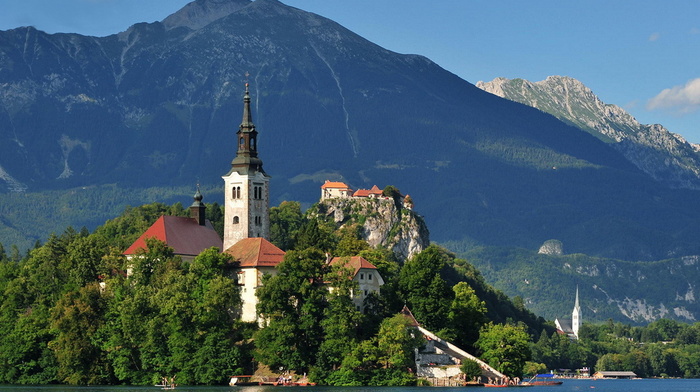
(576, 316)
(246, 186)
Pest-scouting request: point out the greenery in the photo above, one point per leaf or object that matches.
(70, 313)
(547, 283)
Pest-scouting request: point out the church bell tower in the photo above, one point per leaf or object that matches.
(576, 316)
(246, 186)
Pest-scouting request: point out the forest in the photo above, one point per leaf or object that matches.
(71, 314)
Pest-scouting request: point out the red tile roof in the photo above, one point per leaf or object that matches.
(367, 192)
(361, 193)
(334, 184)
(256, 252)
(354, 262)
(184, 235)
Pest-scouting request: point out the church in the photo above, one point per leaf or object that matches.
(572, 328)
(246, 226)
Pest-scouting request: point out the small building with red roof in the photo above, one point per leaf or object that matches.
(253, 258)
(373, 192)
(364, 273)
(187, 236)
(331, 189)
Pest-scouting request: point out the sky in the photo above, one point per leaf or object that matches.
(642, 55)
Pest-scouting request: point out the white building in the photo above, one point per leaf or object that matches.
(365, 274)
(246, 186)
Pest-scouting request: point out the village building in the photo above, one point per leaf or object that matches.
(253, 258)
(372, 193)
(368, 279)
(333, 189)
(570, 328)
(188, 237)
(627, 375)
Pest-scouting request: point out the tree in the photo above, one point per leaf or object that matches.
(75, 320)
(423, 289)
(505, 347)
(293, 303)
(351, 242)
(470, 369)
(285, 222)
(467, 315)
(315, 234)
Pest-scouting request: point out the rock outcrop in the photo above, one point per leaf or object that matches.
(383, 223)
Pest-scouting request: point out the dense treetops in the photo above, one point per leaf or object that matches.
(69, 313)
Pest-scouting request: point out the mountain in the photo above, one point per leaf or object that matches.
(665, 156)
(630, 292)
(157, 106)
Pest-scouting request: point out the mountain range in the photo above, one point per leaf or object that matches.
(92, 124)
(667, 157)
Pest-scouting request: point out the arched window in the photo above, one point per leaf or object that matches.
(238, 192)
(242, 144)
(235, 220)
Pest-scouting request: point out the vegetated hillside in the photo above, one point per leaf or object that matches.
(158, 106)
(630, 292)
(665, 156)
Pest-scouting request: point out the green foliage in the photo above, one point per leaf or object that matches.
(505, 347)
(351, 242)
(424, 290)
(382, 360)
(285, 222)
(467, 314)
(294, 303)
(471, 369)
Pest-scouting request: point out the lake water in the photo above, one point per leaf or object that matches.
(650, 385)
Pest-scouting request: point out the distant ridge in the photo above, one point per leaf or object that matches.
(665, 156)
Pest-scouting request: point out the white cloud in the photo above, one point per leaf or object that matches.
(679, 99)
(654, 37)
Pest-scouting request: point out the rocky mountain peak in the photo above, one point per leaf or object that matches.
(200, 13)
(663, 155)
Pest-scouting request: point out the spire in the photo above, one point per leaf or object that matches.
(576, 302)
(246, 160)
(197, 209)
(247, 116)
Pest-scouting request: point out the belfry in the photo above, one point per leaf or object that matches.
(246, 186)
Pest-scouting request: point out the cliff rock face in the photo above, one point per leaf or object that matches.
(383, 224)
(665, 156)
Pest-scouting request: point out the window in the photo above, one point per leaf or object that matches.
(235, 220)
(369, 276)
(240, 278)
(362, 276)
(242, 144)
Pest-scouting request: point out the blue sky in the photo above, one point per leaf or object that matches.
(641, 55)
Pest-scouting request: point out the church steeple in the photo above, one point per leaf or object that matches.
(246, 186)
(576, 316)
(246, 160)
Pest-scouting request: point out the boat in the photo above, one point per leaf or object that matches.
(242, 381)
(542, 380)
